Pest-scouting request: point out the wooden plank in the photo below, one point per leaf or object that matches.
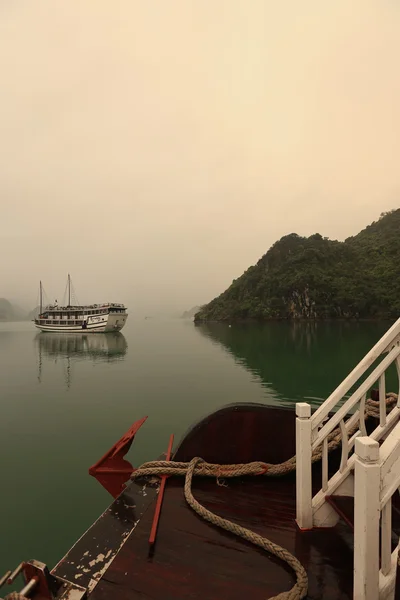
(382, 400)
(90, 557)
(390, 483)
(398, 376)
(390, 450)
(255, 433)
(363, 429)
(386, 537)
(303, 466)
(160, 497)
(345, 446)
(325, 465)
(366, 520)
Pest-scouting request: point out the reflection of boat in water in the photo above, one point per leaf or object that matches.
(103, 347)
(72, 348)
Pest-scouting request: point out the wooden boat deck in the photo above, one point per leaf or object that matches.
(193, 559)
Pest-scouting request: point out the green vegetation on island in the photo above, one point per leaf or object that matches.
(317, 278)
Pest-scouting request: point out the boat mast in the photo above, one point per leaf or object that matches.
(41, 298)
(69, 290)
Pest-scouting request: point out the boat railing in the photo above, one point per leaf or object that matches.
(55, 307)
(377, 479)
(345, 410)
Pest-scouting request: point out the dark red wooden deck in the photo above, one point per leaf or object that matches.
(191, 558)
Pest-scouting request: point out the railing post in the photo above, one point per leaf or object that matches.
(366, 519)
(303, 466)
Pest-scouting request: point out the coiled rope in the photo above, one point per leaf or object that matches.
(198, 467)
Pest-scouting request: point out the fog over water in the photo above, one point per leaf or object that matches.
(156, 149)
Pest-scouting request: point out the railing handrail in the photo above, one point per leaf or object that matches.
(337, 395)
(390, 450)
(355, 397)
(389, 455)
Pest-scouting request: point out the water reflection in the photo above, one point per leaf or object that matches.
(298, 360)
(107, 347)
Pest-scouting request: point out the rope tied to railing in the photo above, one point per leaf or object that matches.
(198, 467)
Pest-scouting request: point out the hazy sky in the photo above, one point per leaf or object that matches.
(157, 148)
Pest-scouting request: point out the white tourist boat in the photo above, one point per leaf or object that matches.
(96, 318)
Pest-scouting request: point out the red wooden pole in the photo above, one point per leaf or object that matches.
(160, 497)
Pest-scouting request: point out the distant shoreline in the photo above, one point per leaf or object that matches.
(299, 320)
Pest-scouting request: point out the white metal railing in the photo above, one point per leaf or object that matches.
(313, 431)
(377, 479)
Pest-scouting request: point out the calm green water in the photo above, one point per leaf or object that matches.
(65, 400)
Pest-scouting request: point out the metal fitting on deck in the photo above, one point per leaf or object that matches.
(39, 582)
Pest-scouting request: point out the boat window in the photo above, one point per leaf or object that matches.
(63, 322)
(48, 322)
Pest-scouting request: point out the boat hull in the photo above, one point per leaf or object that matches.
(94, 324)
